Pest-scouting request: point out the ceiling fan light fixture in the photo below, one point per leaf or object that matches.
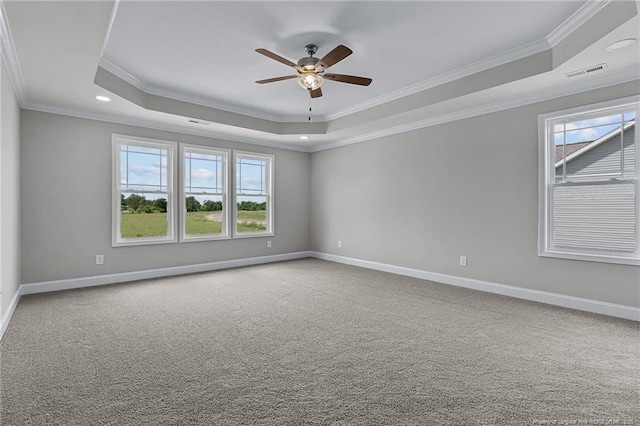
(310, 80)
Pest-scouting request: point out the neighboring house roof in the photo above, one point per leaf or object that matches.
(576, 149)
(569, 149)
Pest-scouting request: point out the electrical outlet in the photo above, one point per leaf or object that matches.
(99, 259)
(269, 243)
(339, 244)
(463, 260)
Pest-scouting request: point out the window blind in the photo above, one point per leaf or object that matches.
(595, 216)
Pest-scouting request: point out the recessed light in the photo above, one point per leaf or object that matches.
(304, 137)
(621, 44)
(103, 98)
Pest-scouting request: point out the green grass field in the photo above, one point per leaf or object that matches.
(245, 215)
(143, 225)
(155, 224)
(198, 224)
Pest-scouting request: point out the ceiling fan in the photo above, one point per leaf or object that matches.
(311, 70)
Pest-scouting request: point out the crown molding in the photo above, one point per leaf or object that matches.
(112, 18)
(465, 71)
(122, 74)
(187, 97)
(578, 18)
(514, 102)
(208, 102)
(548, 94)
(10, 58)
(149, 124)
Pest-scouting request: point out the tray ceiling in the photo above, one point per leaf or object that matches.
(165, 62)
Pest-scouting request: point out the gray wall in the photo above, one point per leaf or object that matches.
(66, 206)
(9, 192)
(418, 200)
(470, 187)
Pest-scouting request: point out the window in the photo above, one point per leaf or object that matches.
(254, 198)
(145, 209)
(204, 193)
(589, 199)
(143, 200)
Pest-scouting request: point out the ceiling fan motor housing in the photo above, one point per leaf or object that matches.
(308, 63)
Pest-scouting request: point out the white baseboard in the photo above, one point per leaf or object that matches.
(72, 283)
(588, 305)
(68, 284)
(9, 313)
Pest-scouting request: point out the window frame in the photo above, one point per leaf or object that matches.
(116, 238)
(269, 232)
(547, 179)
(226, 199)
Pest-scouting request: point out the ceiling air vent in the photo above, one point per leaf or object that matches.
(587, 70)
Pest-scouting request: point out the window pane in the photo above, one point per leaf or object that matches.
(251, 176)
(203, 172)
(140, 149)
(588, 134)
(143, 169)
(630, 116)
(143, 215)
(630, 149)
(204, 193)
(592, 150)
(252, 214)
(204, 215)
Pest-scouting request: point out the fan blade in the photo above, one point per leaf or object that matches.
(333, 57)
(274, 79)
(315, 93)
(351, 79)
(278, 58)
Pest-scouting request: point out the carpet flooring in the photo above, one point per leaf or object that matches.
(310, 342)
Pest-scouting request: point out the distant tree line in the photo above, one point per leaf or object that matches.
(135, 203)
(194, 205)
(251, 206)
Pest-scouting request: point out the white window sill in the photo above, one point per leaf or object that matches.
(603, 258)
(253, 235)
(204, 238)
(142, 242)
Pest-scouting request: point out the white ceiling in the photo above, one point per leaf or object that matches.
(207, 48)
(202, 53)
